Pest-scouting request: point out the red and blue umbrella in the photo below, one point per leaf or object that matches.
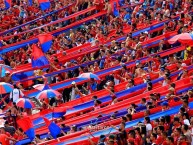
(48, 94)
(5, 88)
(41, 87)
(185, 38)
(25, 103)
(89, 76)
(3, 69)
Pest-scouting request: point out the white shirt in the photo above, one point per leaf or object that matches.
(73, 94)
(15, 94)
(116, 81)
(148, 127)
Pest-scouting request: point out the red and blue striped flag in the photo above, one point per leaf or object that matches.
(38, 57)
(45, 41)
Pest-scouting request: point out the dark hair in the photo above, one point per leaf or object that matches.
(154, 135)
(173, 85)
(124, 118)
(176, 119)
(186, 115)
(182, 109)
(129, 116)
(147, 119)
(179, 130)
(143, 99)
(171, 139)
(161, 128)
(185, 127)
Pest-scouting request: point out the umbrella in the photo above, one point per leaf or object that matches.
(25, 103)
(88, 76)
(5, 88)
(48, 94)
(183, 38)
(3, 69)
(41, 87)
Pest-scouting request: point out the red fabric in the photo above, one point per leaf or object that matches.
(3, 139)
(36, 52)
(44, 38)
(25, 123)
(48, 122)
(159, 140)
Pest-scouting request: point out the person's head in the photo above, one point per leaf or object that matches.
(102, 138)
(130, 83)
(146, 120)
(160, 129)
(122, 125)
(185, 128)
(176, 120)
(129, 117)
(169, 140)
(73, 84)
(153, 137)
(37, 136)
(124, 119)
(7, 73)
(182, 110)
(143, 100)
(131, 134)
(177, 131)
(164, 135)
(185, 103)
(146, 113)
(2, 130)
(6, 124)
(185, 115)
(94, 98)
(97, 102)
(111, 139)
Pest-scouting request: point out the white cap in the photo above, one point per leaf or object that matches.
(73, 83)
(7, 72)
(146, 32)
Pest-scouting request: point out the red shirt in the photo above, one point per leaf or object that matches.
(3, 139)
(159, 140)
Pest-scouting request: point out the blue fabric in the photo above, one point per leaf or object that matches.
(46, 46)
(22, 75)
(127, 17)
(130, 124)
(58, 114)
(27, 104)
(30, 2)
(42, 61)
(54, 130)
(7, 5)
(30, 133)
(44, 5)
(115, 11)
(93, 86)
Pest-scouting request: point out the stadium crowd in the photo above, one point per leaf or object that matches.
(167, 130)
